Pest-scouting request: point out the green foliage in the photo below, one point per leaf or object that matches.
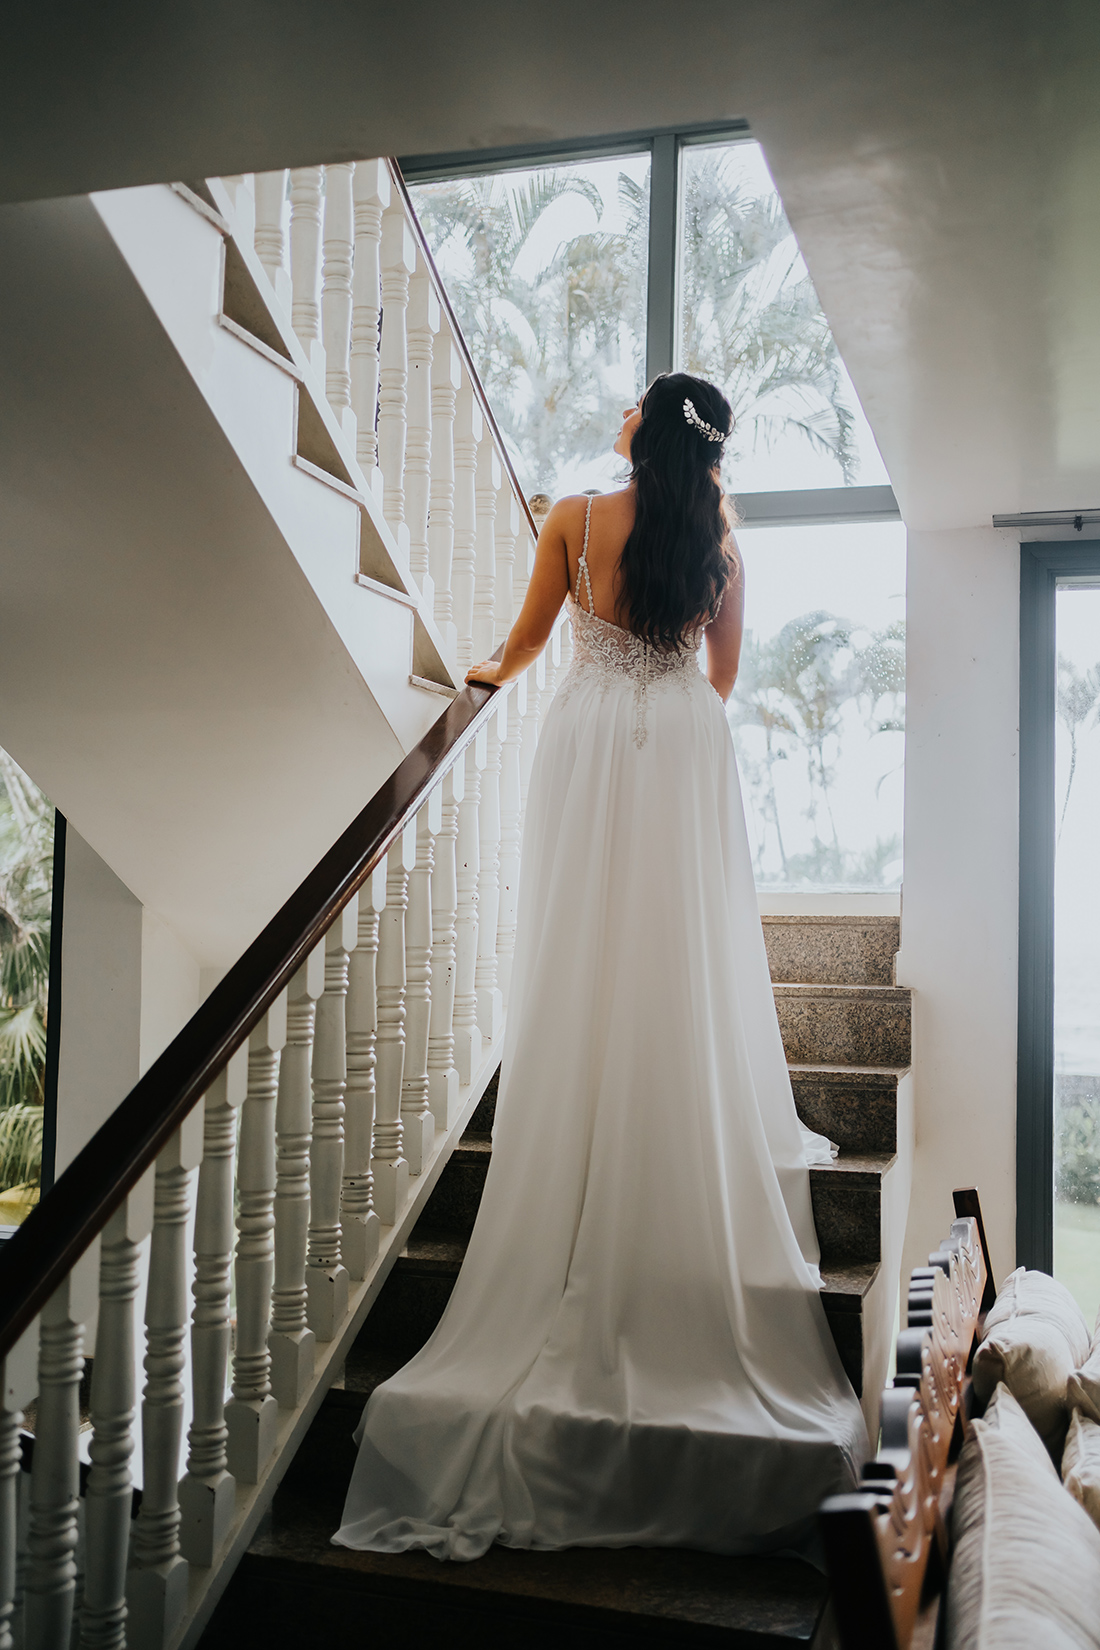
(799, 687)
(1077, 1139)
(26, 881)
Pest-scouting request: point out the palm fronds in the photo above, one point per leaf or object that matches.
(26, 882)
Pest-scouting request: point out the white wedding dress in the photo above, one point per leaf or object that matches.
(635, 1352)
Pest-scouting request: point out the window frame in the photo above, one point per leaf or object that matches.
(794, 507)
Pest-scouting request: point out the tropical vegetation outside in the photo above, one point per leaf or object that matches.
(547, 272)
(26, 884)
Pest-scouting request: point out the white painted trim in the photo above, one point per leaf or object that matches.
(433, 687)
(380, 589)
(203, 208)
(260, 347)
(326, 476)
(832, 904)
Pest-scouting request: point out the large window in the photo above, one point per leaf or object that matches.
(576, 278)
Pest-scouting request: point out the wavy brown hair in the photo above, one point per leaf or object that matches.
(676, 563)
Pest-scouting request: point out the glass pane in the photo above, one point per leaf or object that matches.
(818, 713)
(750, 321)
(26, 884)
(547, 273)
(1077, 948)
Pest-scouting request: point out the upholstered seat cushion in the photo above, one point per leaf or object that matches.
(1083, 1389)
(1025, 1573)
(1081, 1463)
(1035, 1338)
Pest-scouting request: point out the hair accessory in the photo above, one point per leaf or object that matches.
(700, 424)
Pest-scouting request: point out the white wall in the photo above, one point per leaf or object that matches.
(959, 910)
(128, 985)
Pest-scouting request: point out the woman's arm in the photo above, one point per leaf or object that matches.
(547, 590)
(724, 633)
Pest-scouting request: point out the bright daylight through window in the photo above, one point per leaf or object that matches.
(547, 269)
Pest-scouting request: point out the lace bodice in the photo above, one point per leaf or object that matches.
(608, 653)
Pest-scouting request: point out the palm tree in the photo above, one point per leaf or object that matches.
(26, 879)
(1077, 697)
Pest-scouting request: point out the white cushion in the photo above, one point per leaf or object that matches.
(1083, 1389)
(1081, 1463)
(1025, 1574)
(1035, 1338)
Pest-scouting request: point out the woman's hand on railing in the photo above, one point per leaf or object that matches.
(487, 674)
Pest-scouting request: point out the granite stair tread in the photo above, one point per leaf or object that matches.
(845, 1285)
(840, 1072)
(844, 993)
(855, 1168)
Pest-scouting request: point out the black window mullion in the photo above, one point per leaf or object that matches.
(664, 188)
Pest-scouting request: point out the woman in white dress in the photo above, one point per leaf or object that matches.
(635, 1352)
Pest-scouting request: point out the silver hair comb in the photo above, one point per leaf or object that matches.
(700, 424)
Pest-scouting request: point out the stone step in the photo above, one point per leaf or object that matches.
(832, 950)
(846, 1288)
(854, 1106)
(859, 1025)
(294, 1587)
(847, 1204)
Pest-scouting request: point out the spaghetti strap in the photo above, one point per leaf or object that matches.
(582, 565)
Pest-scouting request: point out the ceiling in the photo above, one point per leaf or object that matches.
(939, 159)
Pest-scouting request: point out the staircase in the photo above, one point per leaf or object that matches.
(846, 1030)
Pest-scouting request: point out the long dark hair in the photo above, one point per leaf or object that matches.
(675, 565)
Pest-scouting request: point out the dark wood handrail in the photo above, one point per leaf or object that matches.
(51, 1240)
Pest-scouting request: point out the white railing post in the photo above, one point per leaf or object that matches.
(305, 257)
(391, 1168)
(442, 1075)
(416, 1114)
(291, 1341)
(507, 531)
(52, 1532)
(252, 1414)
(156, 1591)
(326, 1274)
(490, 1005)
(371, 194)
(336, 287)
(11, 1420)
(398, 263)
(466, 1031)
(270, 237)
(446, 379)
(359, 1218)
(511, 833)
(207, 1490)
(468, 430)
(423, 326)
(485, 553)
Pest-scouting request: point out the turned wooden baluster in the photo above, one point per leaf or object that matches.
(391, 1168)
(487, 479)
(524, 561)
(270, 237)
(446, 379)
(442, 1075)
(109, 1492)
(423, 326)
(156, 1589)
(511, 833)
(416, 1114)
(371, 194)
(305, 256)
(490, 1004)
(398, 263)
(207, 1490)
(52, 1531)
(466, 1031)
(468, 432)
(291, 1341)
(252, 1414)
(336, 286)
(358, 1216)
(326, 1274)
(507, 532)
(11, 1420)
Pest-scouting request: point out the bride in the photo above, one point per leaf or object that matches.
(635, 1352)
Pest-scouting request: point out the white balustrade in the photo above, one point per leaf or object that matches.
(358, 1216)
(398, 263)
(207, 1492)
(251, 1416)
(371, 196)
(291, 1341)
(315, 1145)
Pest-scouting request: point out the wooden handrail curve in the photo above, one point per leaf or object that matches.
(51, 1240)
